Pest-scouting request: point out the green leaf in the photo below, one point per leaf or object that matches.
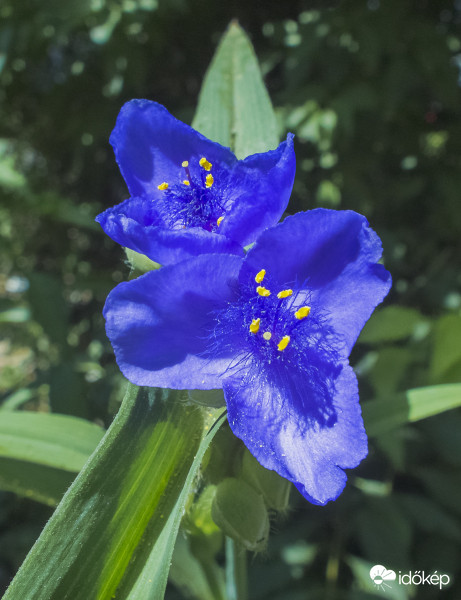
(385, 414)
(447, 347)
(234, 107)
(56, 441)
(128, 500)
(14, 400)
(35, 481)
(40, 454)
(391, 324)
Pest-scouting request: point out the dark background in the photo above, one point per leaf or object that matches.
(371, 90)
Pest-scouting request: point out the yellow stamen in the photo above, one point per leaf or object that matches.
(163, 186)
(209, 180)
(254, 327)
(267, 335)
(186, 182)
(284, 293)
(283, 342)
(302, 312)
(262, 291)
(219, 221)
(260, 276)
(185, 163)
(205, 164)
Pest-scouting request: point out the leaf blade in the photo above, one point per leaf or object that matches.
(57, 441)
(419, 403)
(87, 546)
(234, 107)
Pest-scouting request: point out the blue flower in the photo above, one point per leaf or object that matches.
(190, 195)
(275, 331)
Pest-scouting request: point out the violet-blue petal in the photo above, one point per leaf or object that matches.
(136, 224)
(260, 188)
(334, 254)
(159, 324)
(150, 145)
(264, 413)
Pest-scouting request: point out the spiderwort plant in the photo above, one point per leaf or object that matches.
(190, 195)
(274, 330)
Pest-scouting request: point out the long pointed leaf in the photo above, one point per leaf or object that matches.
(382, 415)
(127, 490)
(234, 107)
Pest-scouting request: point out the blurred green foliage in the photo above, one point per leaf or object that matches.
(371, 90)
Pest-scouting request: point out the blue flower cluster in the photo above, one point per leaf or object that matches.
(273, 327)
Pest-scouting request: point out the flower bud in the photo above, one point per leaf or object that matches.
(241, 513)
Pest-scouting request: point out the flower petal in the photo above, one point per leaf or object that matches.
(137, 225)
(260, 187)
(150, 145)
(264, 413)
(158, 324)
(334, 255)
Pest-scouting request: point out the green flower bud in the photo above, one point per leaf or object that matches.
(241, 513)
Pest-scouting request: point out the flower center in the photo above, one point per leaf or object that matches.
(280, 338)
(274, 317)
(194, 201)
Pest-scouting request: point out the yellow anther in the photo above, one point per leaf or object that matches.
(284, 293)
(267, 335)
(185, 163)
(163, 186)
(219, 221)
(205, 164)
(260, 276)
(186, 182)
(302, 312)
(262, 291)
(254, 327)
(209, 180)
(283, 342)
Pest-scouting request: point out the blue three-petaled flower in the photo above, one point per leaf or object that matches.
(191, 195)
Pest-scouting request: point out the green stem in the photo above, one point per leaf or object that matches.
(211, 572)
(236, 571)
